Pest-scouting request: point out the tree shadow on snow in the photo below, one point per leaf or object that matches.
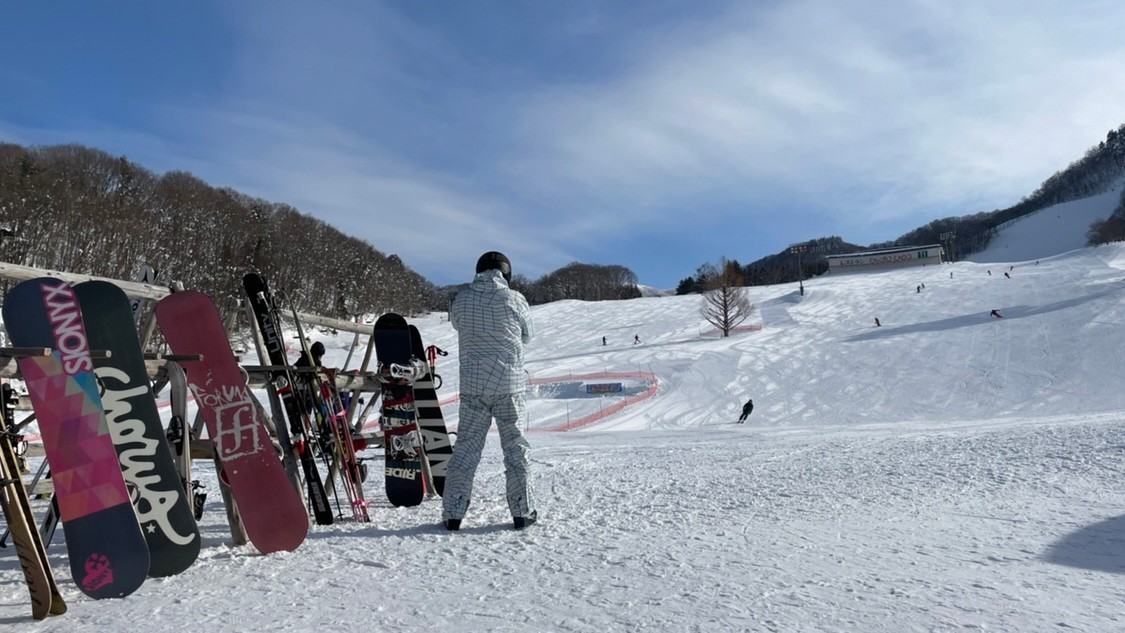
(1097, 547)
(776, 311)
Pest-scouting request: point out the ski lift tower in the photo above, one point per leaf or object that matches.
(797, 249)
(948, 237)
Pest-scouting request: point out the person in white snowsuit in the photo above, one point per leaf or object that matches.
(493, 323)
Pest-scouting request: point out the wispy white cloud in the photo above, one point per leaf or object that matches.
(316, 109)
(436, 221)
(927, 104)
(435, 141)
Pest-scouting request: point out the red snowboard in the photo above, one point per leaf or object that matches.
(272, 512)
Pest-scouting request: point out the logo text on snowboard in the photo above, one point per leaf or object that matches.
(66, 324)
(138, 457)
(99, 573)
(238, 433)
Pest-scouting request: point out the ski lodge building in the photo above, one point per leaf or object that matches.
(885, 259)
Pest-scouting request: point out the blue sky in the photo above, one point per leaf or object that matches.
(657, 135)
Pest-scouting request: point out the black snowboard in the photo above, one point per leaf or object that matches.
(138, 435)
(435, 437)
(402, 442)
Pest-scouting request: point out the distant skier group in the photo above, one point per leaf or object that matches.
(636, 340)
(921, 286)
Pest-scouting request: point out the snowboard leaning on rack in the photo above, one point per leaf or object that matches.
(431, 423)
(108, 554)
(272, 512)
(162, 506)
(180, 437)
(144, 274)
(45, 597)
(402, 442)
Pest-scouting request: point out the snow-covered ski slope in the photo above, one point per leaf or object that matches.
(1056, 229)
(945, 471)
(819, 360)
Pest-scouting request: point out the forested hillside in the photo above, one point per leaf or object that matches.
(81, 210)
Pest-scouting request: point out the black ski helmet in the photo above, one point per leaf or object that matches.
(317, 349)
(495, 260)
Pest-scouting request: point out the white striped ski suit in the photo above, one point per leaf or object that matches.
(493, 323)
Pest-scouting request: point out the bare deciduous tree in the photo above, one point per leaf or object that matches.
(725, 304)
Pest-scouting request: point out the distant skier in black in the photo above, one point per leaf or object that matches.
(996, 314)
(746, 410)
(1007, 275)
(877, 324)
(603, 341)
(919, 289)
(636, 339)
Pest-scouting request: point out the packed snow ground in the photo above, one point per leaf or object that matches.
(947, 470)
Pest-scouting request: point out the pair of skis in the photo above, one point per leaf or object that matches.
(301, 435)
(313, 409)
(335, 431)
(342, 445)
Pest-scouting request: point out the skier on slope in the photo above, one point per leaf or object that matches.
(493, 323)
(746, 410)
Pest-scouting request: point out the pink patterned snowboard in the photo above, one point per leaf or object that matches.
(108, 554)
